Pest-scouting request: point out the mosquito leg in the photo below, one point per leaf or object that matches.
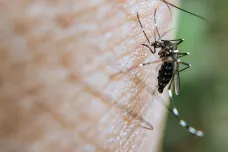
(168, 6)
(130, 69)
(182, 123)
(145, 124)
(142, 28)
(167, 3)
(175, 112)
(147, 63)
(176, 40)
(182, 54)
(186, 64)
(142, 121)
(179, 41)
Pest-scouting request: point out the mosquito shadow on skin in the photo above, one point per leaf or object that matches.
(133, 115)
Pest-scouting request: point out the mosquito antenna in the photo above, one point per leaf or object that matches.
(142, 28)
(168, 3)
(156, 23)
(165, 33)
(155, 37)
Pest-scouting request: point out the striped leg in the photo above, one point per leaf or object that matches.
(182, 123)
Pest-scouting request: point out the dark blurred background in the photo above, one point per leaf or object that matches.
(204, 92)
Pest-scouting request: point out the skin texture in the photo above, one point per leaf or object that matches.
(58, 88)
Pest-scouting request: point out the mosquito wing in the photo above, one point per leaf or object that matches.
(176, 78)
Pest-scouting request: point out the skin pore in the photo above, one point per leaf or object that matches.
(58, 88)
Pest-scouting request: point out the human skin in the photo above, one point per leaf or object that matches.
(58, 88)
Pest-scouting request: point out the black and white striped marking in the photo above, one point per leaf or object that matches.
(182, 123)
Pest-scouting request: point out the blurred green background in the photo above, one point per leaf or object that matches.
(204, 92)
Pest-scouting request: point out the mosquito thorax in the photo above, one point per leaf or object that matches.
(170, 58)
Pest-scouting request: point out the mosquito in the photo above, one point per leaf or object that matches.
(169, 70)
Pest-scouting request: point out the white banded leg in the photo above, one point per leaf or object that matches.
(182, 123)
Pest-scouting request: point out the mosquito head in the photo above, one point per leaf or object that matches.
(157, 43)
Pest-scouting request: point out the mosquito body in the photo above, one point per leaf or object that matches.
(169, 70)
(169, 55)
